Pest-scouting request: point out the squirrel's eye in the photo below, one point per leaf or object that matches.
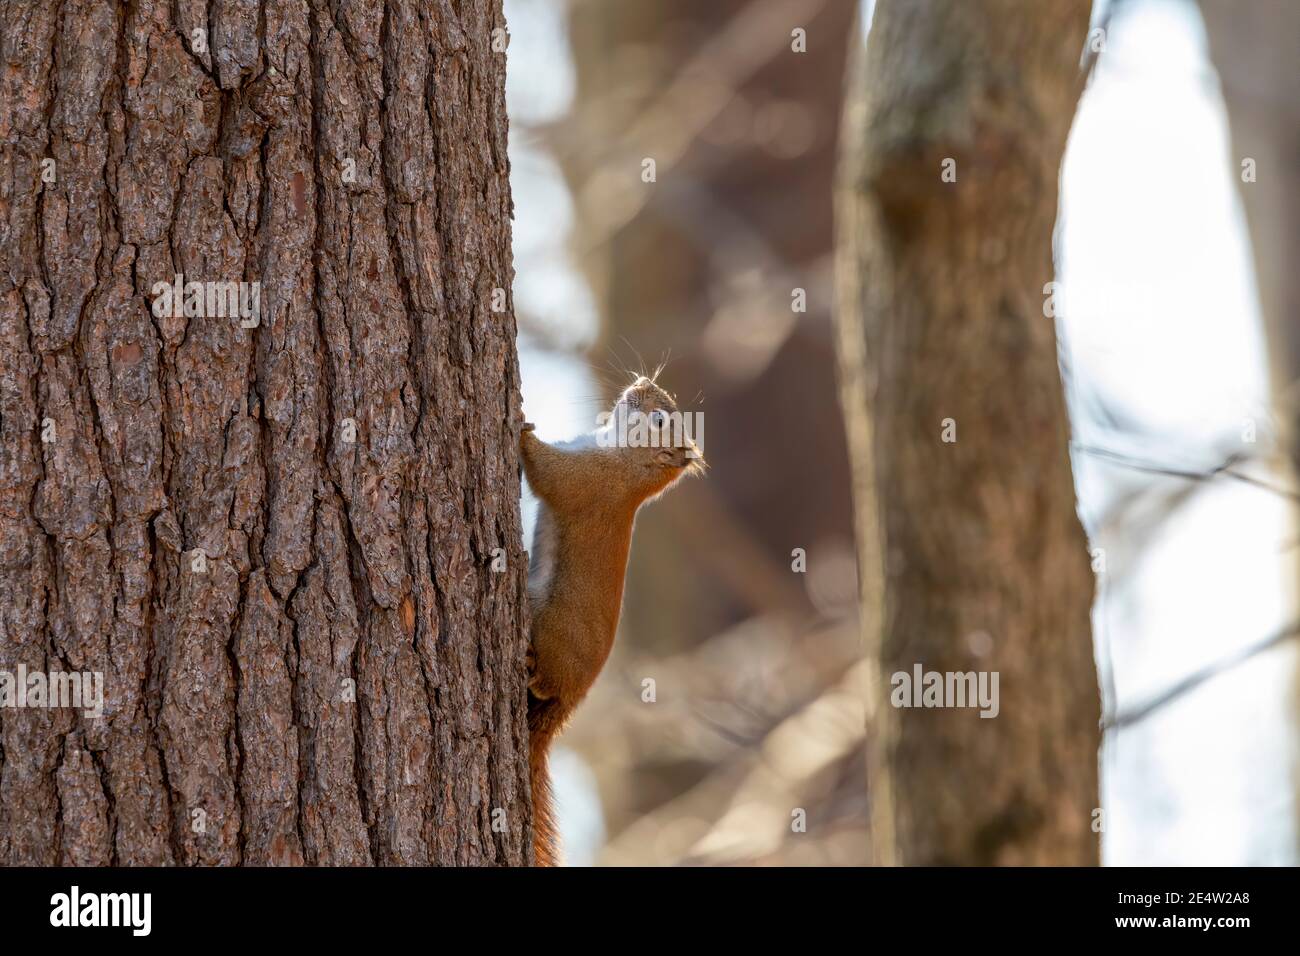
(658, 419)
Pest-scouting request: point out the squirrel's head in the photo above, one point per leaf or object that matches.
(655, 439)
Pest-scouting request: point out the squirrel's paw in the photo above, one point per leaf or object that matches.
(525, 437)
(537, 687)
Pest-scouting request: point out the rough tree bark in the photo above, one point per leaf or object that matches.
(985, 566)
(337, 678)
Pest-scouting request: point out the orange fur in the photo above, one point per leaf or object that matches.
(589, 498)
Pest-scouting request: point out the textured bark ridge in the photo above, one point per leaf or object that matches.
(985, 566)
(293, 550)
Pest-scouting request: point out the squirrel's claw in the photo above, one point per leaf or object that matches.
(524, 431)
(536, 689)
(536, 685)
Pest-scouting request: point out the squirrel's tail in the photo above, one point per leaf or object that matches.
(545, 720)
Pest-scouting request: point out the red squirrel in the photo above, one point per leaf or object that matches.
(589, 491)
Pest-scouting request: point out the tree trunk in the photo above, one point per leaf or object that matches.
(1254, 47)
(943, 335)
(275, 536)
(699, 268)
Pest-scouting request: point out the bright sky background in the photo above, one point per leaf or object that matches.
(1163, 328)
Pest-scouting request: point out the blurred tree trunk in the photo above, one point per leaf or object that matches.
(941, 324)
(275, 540)
(700, 266)
(1255, 47)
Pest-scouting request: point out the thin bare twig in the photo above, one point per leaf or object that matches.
(1225, 470)
(1197, 678)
